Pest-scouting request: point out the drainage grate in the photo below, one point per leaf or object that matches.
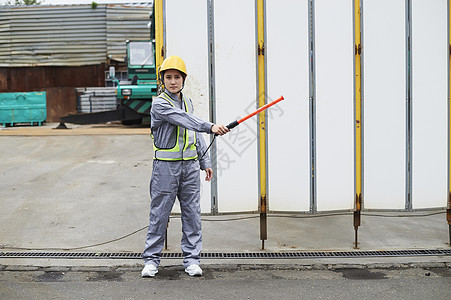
(229, 255)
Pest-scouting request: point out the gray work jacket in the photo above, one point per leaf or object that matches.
(164, 119)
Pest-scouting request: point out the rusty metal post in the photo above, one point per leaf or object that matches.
(166, 237)
(263, 222)
(357, 221)
(448, 218)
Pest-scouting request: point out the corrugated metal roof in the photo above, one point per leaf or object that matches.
(125, 21)
(68, 35)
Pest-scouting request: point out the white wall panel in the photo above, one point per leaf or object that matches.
(430, 116)
(235, 73)
(334, 104)
(288, 122)
(384, 104)
(189, 40)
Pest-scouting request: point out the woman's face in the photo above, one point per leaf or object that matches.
(173, 80)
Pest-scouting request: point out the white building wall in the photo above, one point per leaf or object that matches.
(384, 90)
(288, 122)
(334, 105)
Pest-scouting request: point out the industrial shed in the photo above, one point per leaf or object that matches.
(59, 48)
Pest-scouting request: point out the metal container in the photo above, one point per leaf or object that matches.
(96, 99)
(28, 107)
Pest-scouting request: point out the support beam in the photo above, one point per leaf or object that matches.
(261, 94)
(159, 57)
(312, 105)
(409, 112)
(358, 118)
(159, 36)
(212, 99)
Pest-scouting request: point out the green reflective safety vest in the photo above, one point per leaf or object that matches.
(185, 145)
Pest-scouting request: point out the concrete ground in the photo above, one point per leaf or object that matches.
(86, 190)
(227, 282)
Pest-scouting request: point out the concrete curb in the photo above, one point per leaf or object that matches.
(233, 267)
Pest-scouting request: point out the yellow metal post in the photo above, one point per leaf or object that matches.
(159, 57)
(159, 35)
(358, 118)
(261, 118)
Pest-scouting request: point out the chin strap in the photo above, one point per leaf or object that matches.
(183, 85)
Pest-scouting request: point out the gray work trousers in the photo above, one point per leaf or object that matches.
(171, 179)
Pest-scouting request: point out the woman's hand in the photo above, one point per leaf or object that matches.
(219, 129)
(209, 172)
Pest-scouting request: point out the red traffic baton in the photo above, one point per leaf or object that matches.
(266, 106)
(237, 122)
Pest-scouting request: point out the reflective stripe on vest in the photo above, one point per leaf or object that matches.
(186, 138)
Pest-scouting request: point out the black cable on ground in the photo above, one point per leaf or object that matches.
(228, 220)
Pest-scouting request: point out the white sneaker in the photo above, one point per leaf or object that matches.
(194, 270)
(149, 270)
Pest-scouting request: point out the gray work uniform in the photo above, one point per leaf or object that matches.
(179, 178)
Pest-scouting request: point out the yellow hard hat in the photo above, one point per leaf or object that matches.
(173, 62)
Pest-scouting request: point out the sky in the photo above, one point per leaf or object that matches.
(56, 2)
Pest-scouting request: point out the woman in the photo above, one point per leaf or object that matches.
(177, 159)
